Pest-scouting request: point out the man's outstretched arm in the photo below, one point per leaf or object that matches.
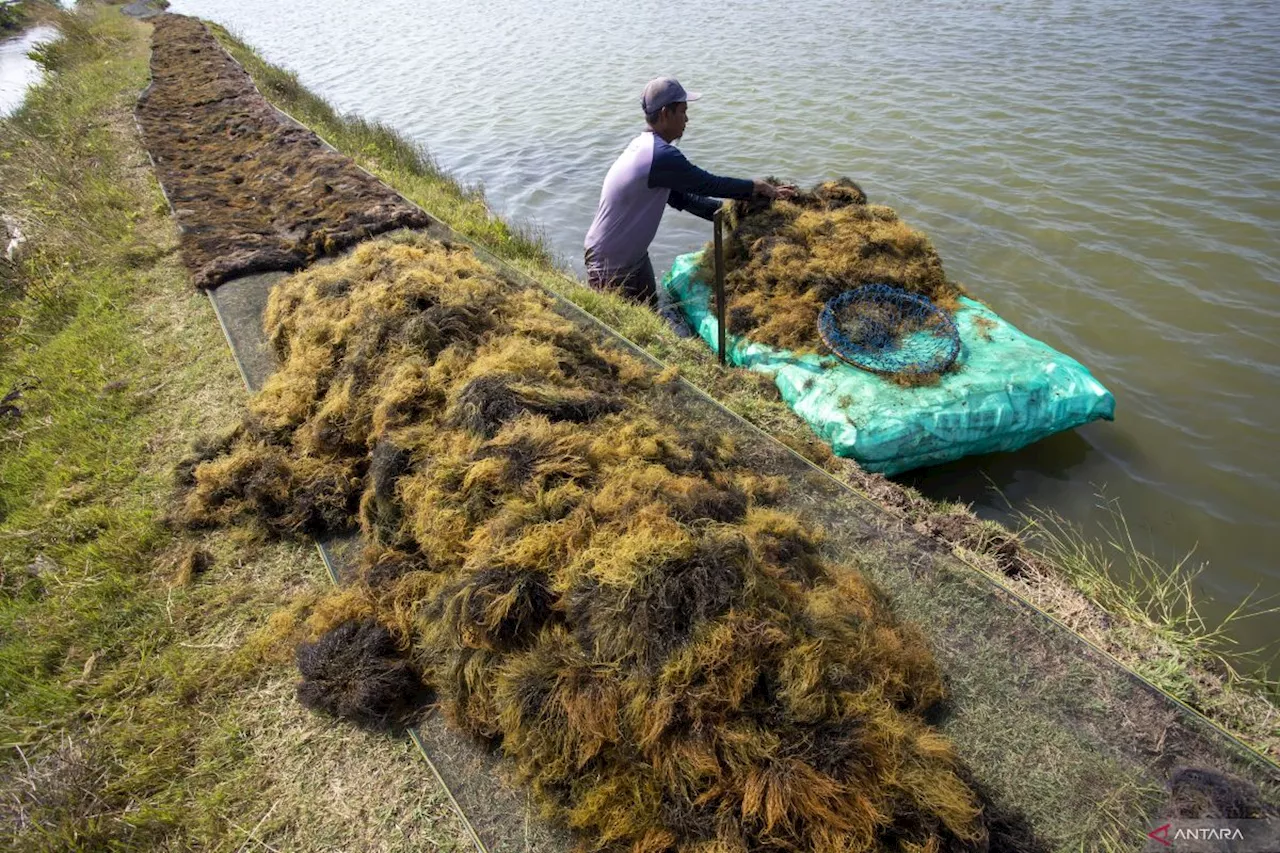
(698, 205)
(672, 170)
(696, 190)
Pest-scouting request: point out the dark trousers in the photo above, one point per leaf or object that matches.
(636, 282)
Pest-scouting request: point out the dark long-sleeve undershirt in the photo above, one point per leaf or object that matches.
(692, 189)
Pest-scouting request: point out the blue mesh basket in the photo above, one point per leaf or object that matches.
(887, 330)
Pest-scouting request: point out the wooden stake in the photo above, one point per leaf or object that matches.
(720, 295)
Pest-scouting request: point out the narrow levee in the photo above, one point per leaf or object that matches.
(411, 372)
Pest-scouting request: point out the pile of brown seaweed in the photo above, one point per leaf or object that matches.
(785, 260)
(582, 578)
(252, 190)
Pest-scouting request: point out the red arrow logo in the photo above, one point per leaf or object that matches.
(1161, 834)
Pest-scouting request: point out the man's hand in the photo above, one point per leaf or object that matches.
(764, 189)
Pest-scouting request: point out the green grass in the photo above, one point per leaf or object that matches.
(1159, 627)
(79, 525)
(64, 453)
(142, 708)
(13, 16)
(1150, 619)
(1152, 594)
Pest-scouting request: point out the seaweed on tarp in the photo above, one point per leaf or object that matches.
(606, 595)
(252, 190)
(788, 258)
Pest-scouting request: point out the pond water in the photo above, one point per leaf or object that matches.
(17, 70)
(1106, 175)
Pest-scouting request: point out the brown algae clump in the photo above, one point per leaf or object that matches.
(585, 579)
(786, 259)
(356, 672)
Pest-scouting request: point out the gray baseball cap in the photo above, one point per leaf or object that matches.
(663, 92)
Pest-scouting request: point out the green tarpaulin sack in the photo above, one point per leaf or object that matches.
(1006, 390)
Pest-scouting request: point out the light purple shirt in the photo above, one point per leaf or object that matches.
(649, 175)
(630, 210)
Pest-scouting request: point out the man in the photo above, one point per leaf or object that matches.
(649, 175)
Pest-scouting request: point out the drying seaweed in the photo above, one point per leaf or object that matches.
(252, 190)
(289, 496)
(1197, 793)
(602, 593)
(786, 259)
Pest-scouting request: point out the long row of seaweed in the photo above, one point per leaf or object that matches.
(590, 585)
(252, 190)
(786, 259)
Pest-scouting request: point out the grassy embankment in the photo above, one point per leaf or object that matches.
(1140, 611)
(143, 707)
(12, 16)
